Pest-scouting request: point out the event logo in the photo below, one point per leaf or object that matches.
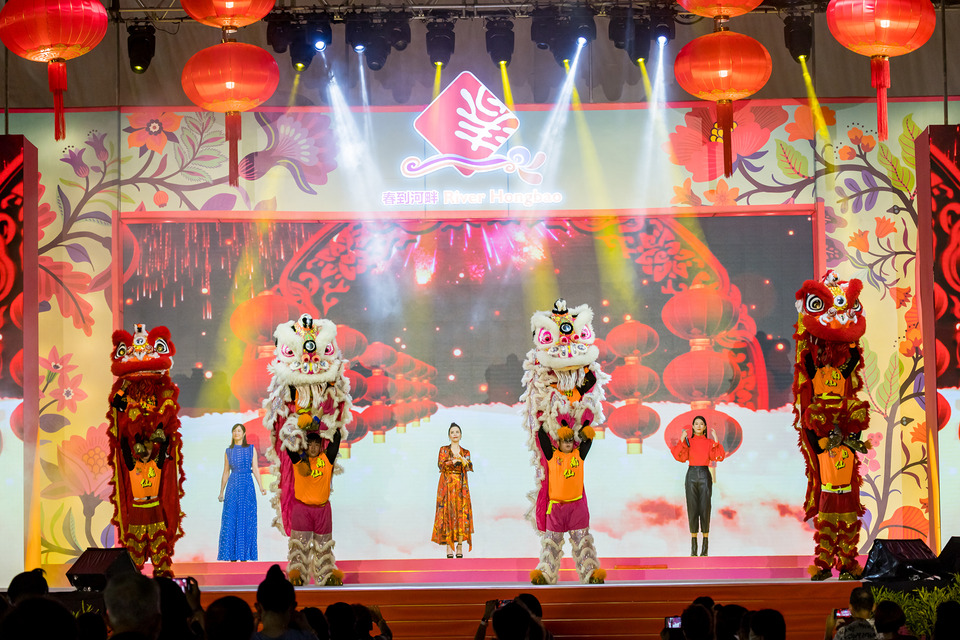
(467, 124)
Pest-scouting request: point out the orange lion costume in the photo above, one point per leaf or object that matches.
(829, 418)
(145, 447)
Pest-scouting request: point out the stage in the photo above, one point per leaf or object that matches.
(444, 598)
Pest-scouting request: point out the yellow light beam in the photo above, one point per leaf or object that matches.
(647, 85)
(507, 92)
(574, 96)
(436, 80)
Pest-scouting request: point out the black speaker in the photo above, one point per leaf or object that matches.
(901, 560)
(950, 556)
(95, 566)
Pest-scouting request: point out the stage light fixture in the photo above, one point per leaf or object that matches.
(279, 32)
(441, 41)
(500, 40)
(664, 27)
(582, 25)
(543, 27)
(617, 28)
(318, 32)
(398, 30)
(141, 45)
(370, 39)
(302, 49)
(638, 42)
(798, 35)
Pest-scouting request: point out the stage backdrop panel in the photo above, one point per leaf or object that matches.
(153, 165)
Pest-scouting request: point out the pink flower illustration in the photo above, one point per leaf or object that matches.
(82, 469)
(68, 393)
(57, 363)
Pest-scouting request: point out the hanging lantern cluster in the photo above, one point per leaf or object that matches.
(53, 31)
(722, 66)
(702, 375)
(881, 29)
(230, 77)
(633, 383)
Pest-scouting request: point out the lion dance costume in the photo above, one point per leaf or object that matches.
(145, 447)
(563, 391)
(308, 400)
(830, 418)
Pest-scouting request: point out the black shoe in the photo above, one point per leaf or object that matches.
(693, 545)
(821, 575)
(703, 549)
(834, 438)
(459, 555)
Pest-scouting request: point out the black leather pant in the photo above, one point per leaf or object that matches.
(699, 489)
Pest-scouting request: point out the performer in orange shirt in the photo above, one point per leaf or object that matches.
(567, 511)
(145, 516)
(699, 451)
(311, 519)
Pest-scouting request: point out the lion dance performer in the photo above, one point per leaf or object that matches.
(830, 418)
(564, 389)
(307, 410)
(145, 447)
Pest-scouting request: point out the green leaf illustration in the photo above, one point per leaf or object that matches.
(791, 161)
(901, 177)
(870, 372)
(908, 141)
(886, 392)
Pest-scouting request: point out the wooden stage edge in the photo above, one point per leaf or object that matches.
(444, 599)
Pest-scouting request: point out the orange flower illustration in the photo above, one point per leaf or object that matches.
(722, 196)
(919, 432)
(685, 194)
(868, 143)
(803, 126)
(885, 226)
(151, 132)
(902, 296)
(847, 152)
(855, 135)
(860, 240)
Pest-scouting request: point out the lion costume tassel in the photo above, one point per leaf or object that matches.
(307, 409)
(145, 447)
(563, 391)
(830, 418)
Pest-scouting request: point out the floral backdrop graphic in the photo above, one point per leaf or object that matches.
(146, 163)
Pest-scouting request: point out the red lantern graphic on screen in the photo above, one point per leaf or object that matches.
(633, 383)
(633, 422)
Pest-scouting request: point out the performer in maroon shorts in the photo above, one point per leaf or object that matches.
(311, 521)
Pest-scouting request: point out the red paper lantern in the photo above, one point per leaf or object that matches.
(227, 13)
(378, 419)
(699, 313)
(229, 78)
(356, 431)
(378, 356)
(633, 422)
(358, 385)
(632, 339)
(722, 8)
(880, 29)
(249, 384)
(53, 31)
(722, 67)
(633, 381)
(701, 375)
(729, 431)
(381, 389)
(255, 320)
(352, 343)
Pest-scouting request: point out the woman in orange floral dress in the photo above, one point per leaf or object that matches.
(454, 520)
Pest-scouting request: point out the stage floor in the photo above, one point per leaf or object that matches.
(443, 599)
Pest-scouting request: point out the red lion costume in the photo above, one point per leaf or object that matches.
(829, 417)
(145, 447)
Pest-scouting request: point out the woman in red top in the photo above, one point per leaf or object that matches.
(700, 451)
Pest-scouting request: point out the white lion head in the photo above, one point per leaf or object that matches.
(563, 338)
(306, 352)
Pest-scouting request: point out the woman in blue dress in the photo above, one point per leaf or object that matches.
(238, 525)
